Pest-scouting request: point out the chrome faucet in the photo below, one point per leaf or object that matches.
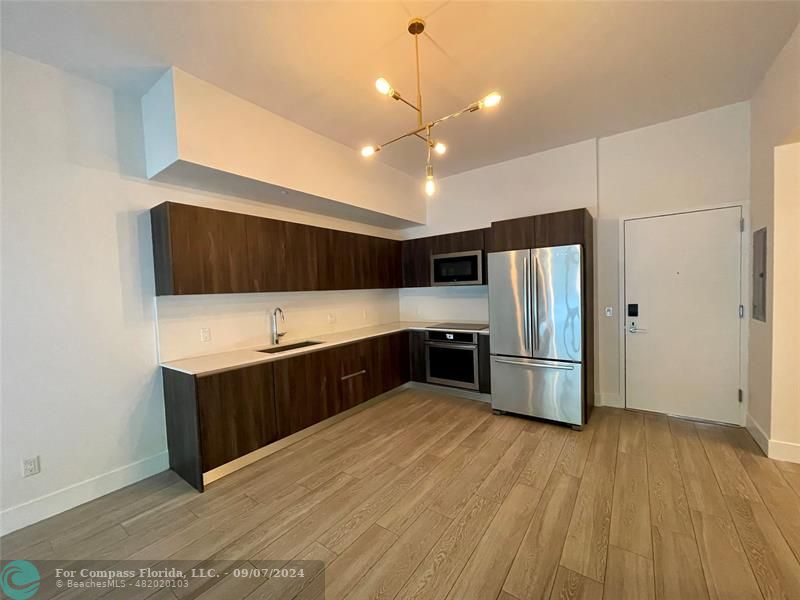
(276, 337)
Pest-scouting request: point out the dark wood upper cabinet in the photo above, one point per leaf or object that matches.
(199, 250)
(512, 234)
(416, 256)
(461, 241)
(266, 254)
(236, 413)
(560, 228)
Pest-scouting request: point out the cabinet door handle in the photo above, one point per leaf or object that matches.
(356, 374)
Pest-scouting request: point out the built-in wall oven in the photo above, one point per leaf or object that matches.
(457, 268)
(451, 358)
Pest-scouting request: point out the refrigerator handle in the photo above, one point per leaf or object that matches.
(526, 324)
(535, 295)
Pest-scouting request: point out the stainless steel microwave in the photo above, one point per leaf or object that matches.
(457, 268)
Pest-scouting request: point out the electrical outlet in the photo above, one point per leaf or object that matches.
(331, 318)
(31, 466)
(205, 334)
(609, 311)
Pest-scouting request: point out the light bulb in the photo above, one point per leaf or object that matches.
(430, 185)
(491, 100)
(383, 87)
(368, 151)
(439, 148)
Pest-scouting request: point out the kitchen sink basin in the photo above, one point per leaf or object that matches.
(287, 347)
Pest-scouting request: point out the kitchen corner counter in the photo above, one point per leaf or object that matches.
(235, 359)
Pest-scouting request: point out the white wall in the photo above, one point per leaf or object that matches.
(557, 179)
(80, 385)
(785, 431)
(694, 162)
(242, 320)
(775, 121)
(467, 303)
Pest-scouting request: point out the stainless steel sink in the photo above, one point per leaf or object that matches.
(287, 347)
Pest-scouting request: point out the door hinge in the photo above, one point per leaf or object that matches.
(741, 311)
(741, 395)
(741, 224)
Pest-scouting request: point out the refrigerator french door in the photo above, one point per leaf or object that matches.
(536, 332)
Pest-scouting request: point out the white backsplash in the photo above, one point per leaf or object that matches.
(241, 320)
(456, 303)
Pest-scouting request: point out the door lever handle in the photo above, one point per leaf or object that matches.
(634, 329)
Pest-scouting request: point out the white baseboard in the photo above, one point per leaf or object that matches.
(758, 433)
(776, 449)
(32, 511)
(608, 400)
(788, 451)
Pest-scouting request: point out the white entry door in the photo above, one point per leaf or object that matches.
(682, 324)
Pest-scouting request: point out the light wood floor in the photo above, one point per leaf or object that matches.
(429, 496)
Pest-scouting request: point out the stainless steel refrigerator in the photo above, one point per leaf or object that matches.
(535, 324)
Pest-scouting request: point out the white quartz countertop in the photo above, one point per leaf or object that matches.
(234, 359)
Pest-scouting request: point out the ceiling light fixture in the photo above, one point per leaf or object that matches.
(423, 130)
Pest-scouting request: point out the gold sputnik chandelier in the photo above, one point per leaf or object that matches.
(423, 130)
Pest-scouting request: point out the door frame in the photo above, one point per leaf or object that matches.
(745, 259)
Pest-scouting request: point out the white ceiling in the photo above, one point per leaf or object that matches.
(568, 71)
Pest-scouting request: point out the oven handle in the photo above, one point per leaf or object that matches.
(449, 345)
(519, 363)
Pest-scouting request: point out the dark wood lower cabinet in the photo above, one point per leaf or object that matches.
(237, 413)
(417, 356)
(306, 390)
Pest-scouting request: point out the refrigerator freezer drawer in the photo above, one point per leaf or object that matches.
(545, 389)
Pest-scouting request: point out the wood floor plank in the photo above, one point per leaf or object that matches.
(279, 588)
(456, 493)
(586, 545)
(352, 525)
(725, 566)
(669, 508)
(629, 576)
(543, 460)
(408, 508)
(793, 479)
(700, 483)
(435, 575)
(676, 566)
(775, 567)
(630, 515)
(631, 433)
(570, 585)
(267, 531)
(731, 476)
(781, 499)
(534, 568)
(505, 473)
(392, 570)
(344, 572)
(575, 451)
(488, 566)
(337, 506)
(788, 466)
